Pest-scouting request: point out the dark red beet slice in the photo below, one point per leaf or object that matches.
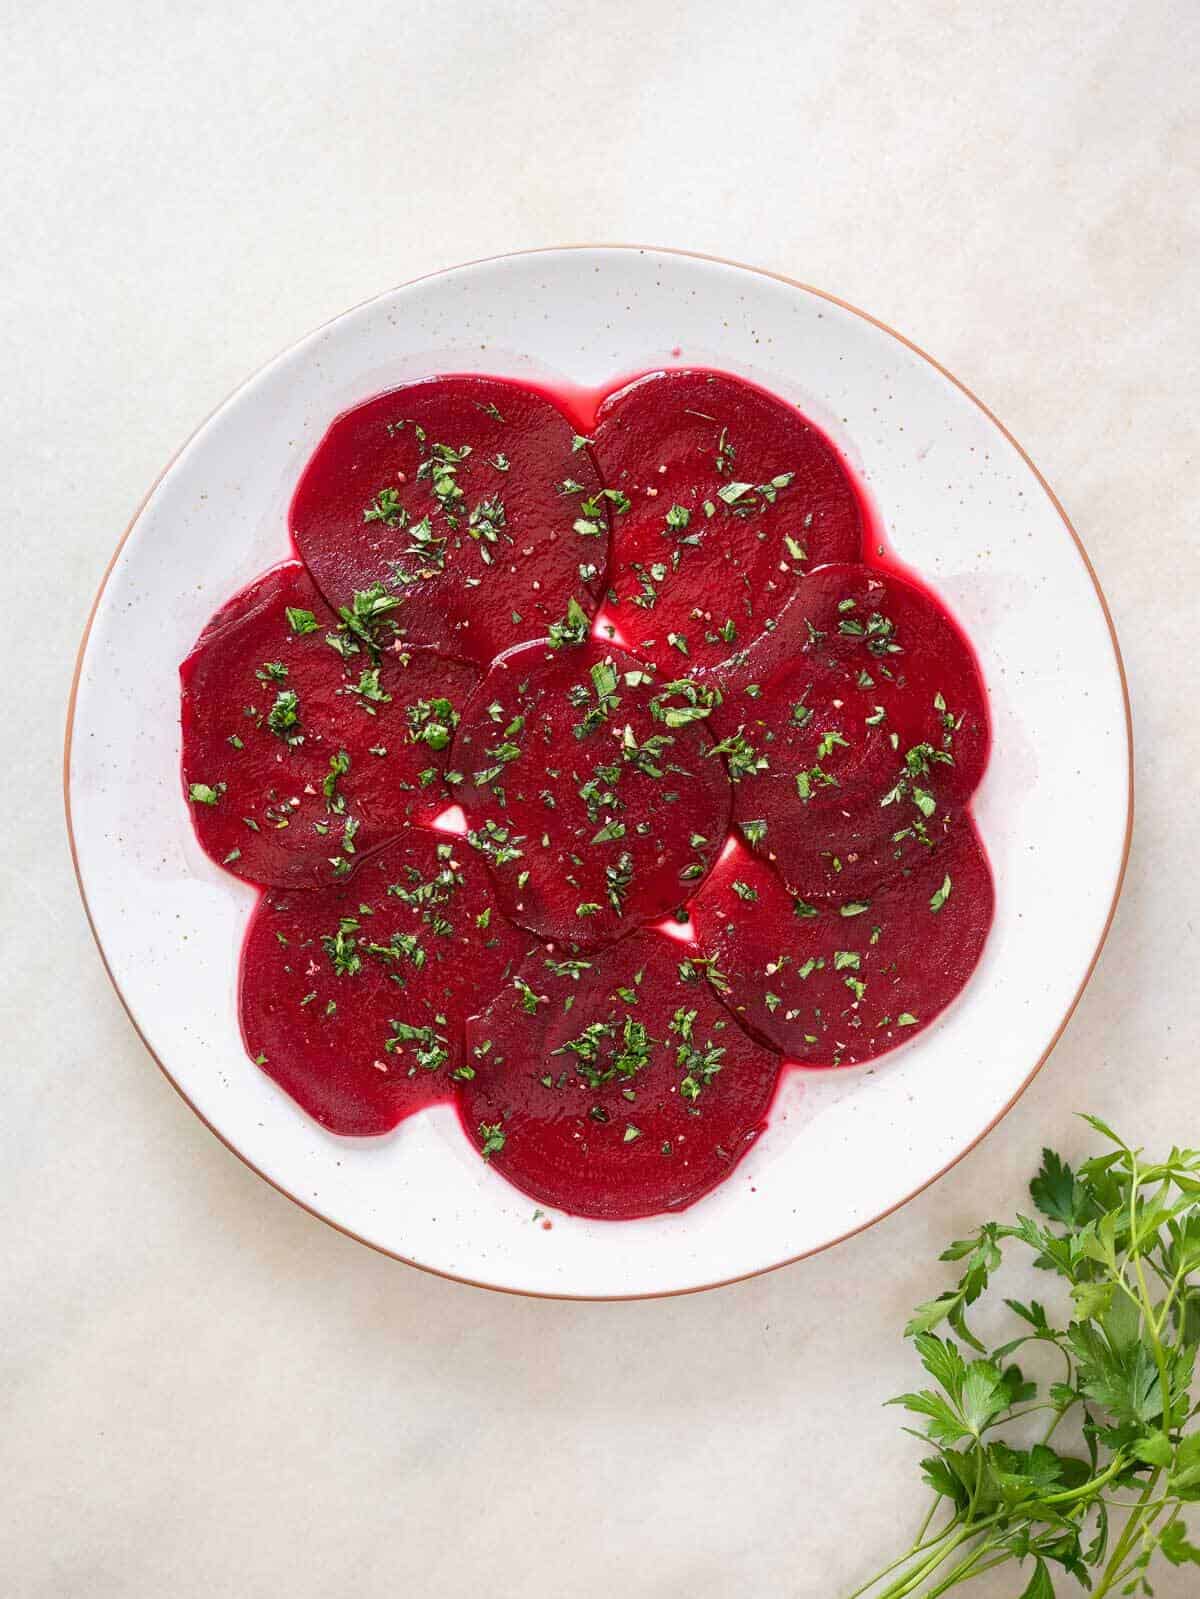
(859, 656)
(837, 984)
(734, 495)
(300, 758)
(354, 997)
(597, 804)
(608, 1086)
(809, 771)
(465, 496)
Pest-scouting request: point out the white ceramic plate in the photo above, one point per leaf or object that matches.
(960, 502)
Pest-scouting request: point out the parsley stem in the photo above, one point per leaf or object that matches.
(1147, 1304)
(966, 1569)
(920, 1546)
(910, 1581)
(1030, 1410)
(1173, 1289)
(1112, 1571)
(926, 1524)
(1059, 1413)
(1088, 1488)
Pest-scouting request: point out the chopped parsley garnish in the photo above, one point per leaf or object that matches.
(368, 615)
(400, 947)
(529, 999)
(741, 758)
(568, 968)
(432, 722)
(699, 701)
(342, 948)
(386, 507)
(369, 691)
(339, 765)
(808, 782)
(284, 716)
(617, 879)
(604, 686)
(301, 621)
(699, 1063)
(432, 1051)
(940, 895)
(486, 523)
(429, 549)
(495, 842)
(492, 1139)
(573, 629)
(609, 833)
(440, 470)
(590, 522)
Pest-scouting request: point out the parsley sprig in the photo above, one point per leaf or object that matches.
(1122, 1238)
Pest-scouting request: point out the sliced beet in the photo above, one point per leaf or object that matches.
(809, 770)
(470, 499)
(300, 756)
(859, 656)
(354, 997)
(734, 495)
(609, 1086)
(594, 792)
(839, 983)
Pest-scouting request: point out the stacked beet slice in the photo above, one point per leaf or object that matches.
(588, 780)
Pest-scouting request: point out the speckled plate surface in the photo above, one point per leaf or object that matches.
(960, 502)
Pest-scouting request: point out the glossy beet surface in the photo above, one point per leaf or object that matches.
(836, 983)
(856, 722)
(765, 732)
(734, 496)
(354, 998)
(594, 811)
(305, 744)
(468, 499)
(619, 1087)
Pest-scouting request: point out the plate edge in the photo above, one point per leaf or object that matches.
(961, 1154)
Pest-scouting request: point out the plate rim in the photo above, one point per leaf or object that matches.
(973, 1143)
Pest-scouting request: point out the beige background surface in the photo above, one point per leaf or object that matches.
(208, 1393)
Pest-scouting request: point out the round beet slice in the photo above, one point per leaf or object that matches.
(470, 498)
(614, 1084)
(354, 997)
(889, 640)
(854, 723)
(810, 764)
(594, 793)
(733, 496)
(308, 742)
(838, 984)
